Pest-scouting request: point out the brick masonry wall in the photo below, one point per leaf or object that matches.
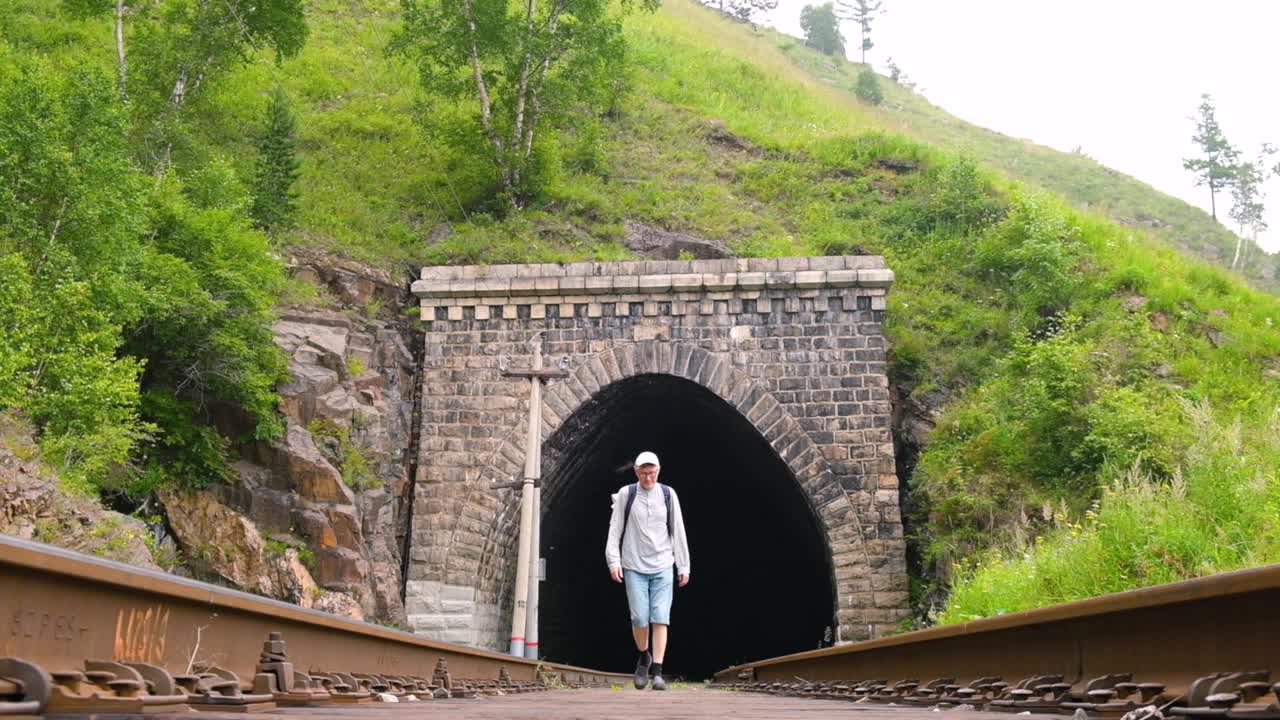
(794, 344)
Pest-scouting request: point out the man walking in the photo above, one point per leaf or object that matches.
(646, 537)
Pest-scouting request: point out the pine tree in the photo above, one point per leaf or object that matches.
(1219, 163)
(861, 12)
(273, 194)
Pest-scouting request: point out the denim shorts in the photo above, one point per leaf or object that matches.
(649, 596)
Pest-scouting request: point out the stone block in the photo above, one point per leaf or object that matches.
(842, 278)
(752, 280)
(598, 285)
(654, 283)
(493, 287)
(686, 282)
(881, 277)
(780, 279)
(569, 285)
(811, 279)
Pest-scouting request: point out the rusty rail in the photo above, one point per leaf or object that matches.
(1198, 648)
(83, 632)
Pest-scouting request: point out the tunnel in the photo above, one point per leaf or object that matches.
(761, 581)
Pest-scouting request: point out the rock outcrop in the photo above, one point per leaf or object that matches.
(336, 484)
(662, 244)
(224, 543)
(34, 507)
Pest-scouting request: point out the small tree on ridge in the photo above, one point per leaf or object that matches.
(1218, 163)
(861, 12)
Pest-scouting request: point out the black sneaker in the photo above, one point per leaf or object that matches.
(642, 670)
(658, 682)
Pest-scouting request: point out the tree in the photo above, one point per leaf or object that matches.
(179, 45)
(822, 29)
(1247, 199)
(273, 194)
(518, 62)
(1219, 158)
(868, 87)
(861, 12)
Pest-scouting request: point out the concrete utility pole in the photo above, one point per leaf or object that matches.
(524, 614)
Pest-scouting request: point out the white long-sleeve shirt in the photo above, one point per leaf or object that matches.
(647, 548)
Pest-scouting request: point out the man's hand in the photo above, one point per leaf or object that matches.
(684, 580)
(616, 574)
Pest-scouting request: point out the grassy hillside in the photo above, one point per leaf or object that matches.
(1107, 405)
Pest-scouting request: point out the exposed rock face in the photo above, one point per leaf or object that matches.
(666, 245)
(222, 542)
(337, 482)
(33, 507)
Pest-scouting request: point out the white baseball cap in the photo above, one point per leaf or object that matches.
(647, 458)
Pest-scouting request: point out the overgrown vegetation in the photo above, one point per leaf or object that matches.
(1101, 396)
(346, 454)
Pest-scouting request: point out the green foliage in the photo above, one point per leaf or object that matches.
(1219, 514)
(526, 64)
(274, 197)
(868, 87)
(822, 29)
(108, 272)
(184, 453)
(347, 455)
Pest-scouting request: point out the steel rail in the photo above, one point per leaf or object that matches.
(60, 608)
(1174, 633)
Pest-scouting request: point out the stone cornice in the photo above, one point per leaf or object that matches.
(651, 277)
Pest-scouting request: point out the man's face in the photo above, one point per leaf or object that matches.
(647, 475)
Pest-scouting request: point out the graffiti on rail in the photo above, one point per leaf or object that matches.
(43, 627)
(141, 634)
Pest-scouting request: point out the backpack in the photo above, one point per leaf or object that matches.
(631, 500)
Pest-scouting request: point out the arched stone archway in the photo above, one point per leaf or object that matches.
(799, 357)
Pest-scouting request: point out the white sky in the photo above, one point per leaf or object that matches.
(1121, 78)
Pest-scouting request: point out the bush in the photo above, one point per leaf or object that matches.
(868, 87)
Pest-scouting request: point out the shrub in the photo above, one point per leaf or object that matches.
(868, 87)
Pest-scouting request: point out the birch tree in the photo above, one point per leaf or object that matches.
(1248, 195)
(175, 46)
(515, 64)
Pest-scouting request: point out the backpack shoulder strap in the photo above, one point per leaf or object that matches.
(666, 497)
(626, 510)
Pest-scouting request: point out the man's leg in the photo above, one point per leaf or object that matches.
(637, 585)
(659, 642)
(660, 590)
(641, 634)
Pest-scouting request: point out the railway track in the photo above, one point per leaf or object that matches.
(87, 636)
(1203, 648)
(91, 637)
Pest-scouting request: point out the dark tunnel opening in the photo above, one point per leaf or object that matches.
(761, 580)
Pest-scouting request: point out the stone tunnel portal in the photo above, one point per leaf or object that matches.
(761, 570)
